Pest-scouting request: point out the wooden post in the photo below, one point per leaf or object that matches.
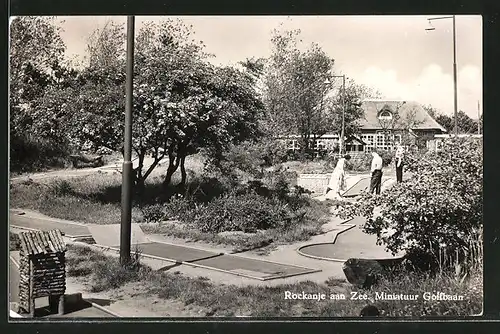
(31, 300)
(60, 308)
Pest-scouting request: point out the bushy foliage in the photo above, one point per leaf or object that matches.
(436, 215)
(252, 156)
(215, 206)
(248, 213)
(386, 157)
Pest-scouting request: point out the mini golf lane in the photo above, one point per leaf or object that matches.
(357, 188)
(351, 243)
(107, 236)
(38, 223)
(232, 264)
(360, 186)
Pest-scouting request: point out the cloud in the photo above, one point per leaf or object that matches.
(432, 86)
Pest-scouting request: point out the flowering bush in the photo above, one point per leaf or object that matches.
(436, 214)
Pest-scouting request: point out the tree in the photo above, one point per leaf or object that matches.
(36, 64)
(106, 47)
(85, 108)
(466, 124)
(437, 214)
(183, 104)
(354, 96)
(295, 93)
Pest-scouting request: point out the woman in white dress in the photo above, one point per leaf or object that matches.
(337, 180)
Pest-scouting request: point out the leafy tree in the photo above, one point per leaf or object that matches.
(437, 214)
(106, 47)
(181, 103)
(85, 107)
(184, 104)
(36, 63)
(295, 93)
(354, 96)
(465, 123)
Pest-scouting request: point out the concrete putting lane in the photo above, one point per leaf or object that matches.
(352, 243)
(70, 230)
(109, 236)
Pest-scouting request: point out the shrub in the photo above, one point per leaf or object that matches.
(437, 215)
(110, 274)
(153, 213)
(61, 188)
(386, 157)
(246, 212)
(360, 163)
(29, 155)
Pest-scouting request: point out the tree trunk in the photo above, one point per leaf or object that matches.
(183, 172)
(170, 171)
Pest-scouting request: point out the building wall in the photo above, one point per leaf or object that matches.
(373, 139)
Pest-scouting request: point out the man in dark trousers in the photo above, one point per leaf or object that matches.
(376, 169)
(399, 163)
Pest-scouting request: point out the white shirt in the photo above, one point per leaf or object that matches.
(376, 163)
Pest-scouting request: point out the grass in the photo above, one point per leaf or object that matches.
(104, 273)
(95, 199)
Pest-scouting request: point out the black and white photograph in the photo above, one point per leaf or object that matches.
(324, 166)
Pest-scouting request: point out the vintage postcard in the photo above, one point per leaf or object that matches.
(245, 166)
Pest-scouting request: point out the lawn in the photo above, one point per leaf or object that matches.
(95, 199)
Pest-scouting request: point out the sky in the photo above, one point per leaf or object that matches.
(393, 54)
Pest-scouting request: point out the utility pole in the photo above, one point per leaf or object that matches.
(455, 97)
(342, 135)
(455, 90)
(126, 200)
(478, 119)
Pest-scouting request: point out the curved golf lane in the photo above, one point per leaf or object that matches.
(348, 244)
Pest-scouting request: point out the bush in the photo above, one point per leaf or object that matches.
(110, 274)
(437, 216)
(386, 157)
(247, 213)
(61, 188)
(28, 155)
(360, 163)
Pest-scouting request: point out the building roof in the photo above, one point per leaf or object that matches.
(406, 110)
(42, 242)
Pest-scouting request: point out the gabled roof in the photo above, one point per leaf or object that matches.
(42, 242)
(406, 110)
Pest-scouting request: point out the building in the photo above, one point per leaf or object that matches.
(390, 123)
(386, 124)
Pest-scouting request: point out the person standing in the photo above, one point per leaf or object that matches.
(376, 169)
(337, 180)
(399, 164)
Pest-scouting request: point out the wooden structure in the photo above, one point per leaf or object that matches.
(80, 160)
(42, 270)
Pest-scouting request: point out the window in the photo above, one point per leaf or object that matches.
(293, 145)
(380, 140)
(319, 145)
(385, 114)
